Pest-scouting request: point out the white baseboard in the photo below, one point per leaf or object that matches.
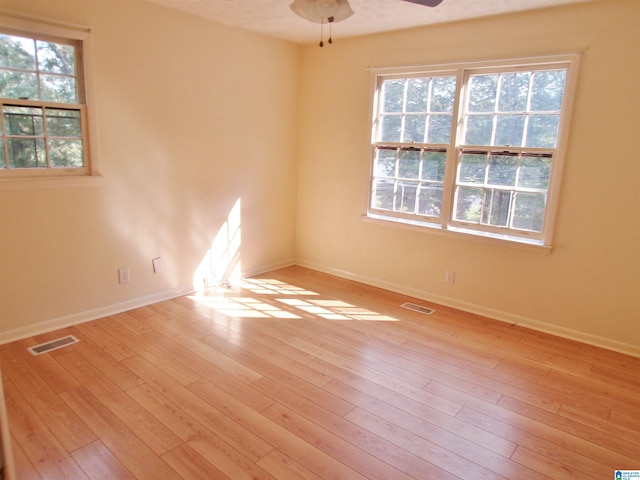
(268, 268)
(583, 337)
(88, 315)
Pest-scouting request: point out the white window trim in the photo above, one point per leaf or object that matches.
(445, 225)
(24, 25)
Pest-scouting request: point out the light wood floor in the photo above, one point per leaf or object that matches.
(300, 375)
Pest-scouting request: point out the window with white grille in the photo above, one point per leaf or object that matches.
(44, 126)
(475, 148)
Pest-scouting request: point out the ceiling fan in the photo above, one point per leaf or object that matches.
(331, 11)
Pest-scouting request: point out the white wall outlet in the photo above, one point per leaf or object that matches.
(123, 275)
(158, 266)
(450, 276)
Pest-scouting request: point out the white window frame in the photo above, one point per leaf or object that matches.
(80, 37)
(445, 223)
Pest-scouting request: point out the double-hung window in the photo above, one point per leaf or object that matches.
(473, 148)
(43, 102)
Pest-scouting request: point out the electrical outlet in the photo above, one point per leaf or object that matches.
(158, 266)
(450, 276)
(123, 275)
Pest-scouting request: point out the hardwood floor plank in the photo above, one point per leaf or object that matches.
(281, 466)
(43, 450)
(211, 355)
(285, 378)
(145, 347)
(120, 405)
(264, 360)
(358, 460)
(573, 428)
(190, 464)
(236, 435)
(92, 330)
(229, 460)
(379, 447)
(52, 411)
(103, 362)
(414, 398)
(125, 445)
(449, 461)
(58, 379)
(544, 438)
(452, 434)
(550, 468)
(23, 467)
(99, 463)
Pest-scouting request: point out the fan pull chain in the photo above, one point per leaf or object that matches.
(330, 41)
(330, 30)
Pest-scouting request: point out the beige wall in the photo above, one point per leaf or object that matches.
(192, 116)
(589, 286)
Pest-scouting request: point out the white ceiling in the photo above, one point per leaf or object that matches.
(274, 18)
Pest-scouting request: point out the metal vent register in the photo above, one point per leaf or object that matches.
(53, 345)
(417, 308)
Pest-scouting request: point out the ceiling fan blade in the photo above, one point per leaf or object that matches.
(426, 3)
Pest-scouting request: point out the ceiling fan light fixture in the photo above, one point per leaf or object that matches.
(321, 11)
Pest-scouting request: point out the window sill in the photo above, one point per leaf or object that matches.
(461, 234)
(50, 182)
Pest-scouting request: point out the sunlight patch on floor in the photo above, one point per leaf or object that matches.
(284, 302)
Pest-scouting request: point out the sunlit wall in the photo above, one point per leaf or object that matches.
(196, 128)
(587, 288)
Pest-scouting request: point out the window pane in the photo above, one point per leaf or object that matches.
(502, 170)
(390, 128)
(479, 130)
(63, 123)
(409, 165)
(472, 168)
(509, 130)
(430, 199)
(18, 85)
(482, 93)
(497, 204)
(56, 88)
(439, 129)
(23, 120)
(56, 58)
(534, 172)
(433, 165)
(443, 94)
(514, 92)
(3, 161)
(547, 91)
(17, 52)
(406, 197)
(383, 194)
(417, 95)
(392, 95)
(26, 153)
(469, 204)
(542, 131)
(414, 126)
(529, 211)
(386, 163)
(65, 153)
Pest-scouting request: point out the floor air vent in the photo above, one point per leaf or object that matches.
(417, 308)
(53, 345)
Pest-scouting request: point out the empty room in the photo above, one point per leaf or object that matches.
(318, 239)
